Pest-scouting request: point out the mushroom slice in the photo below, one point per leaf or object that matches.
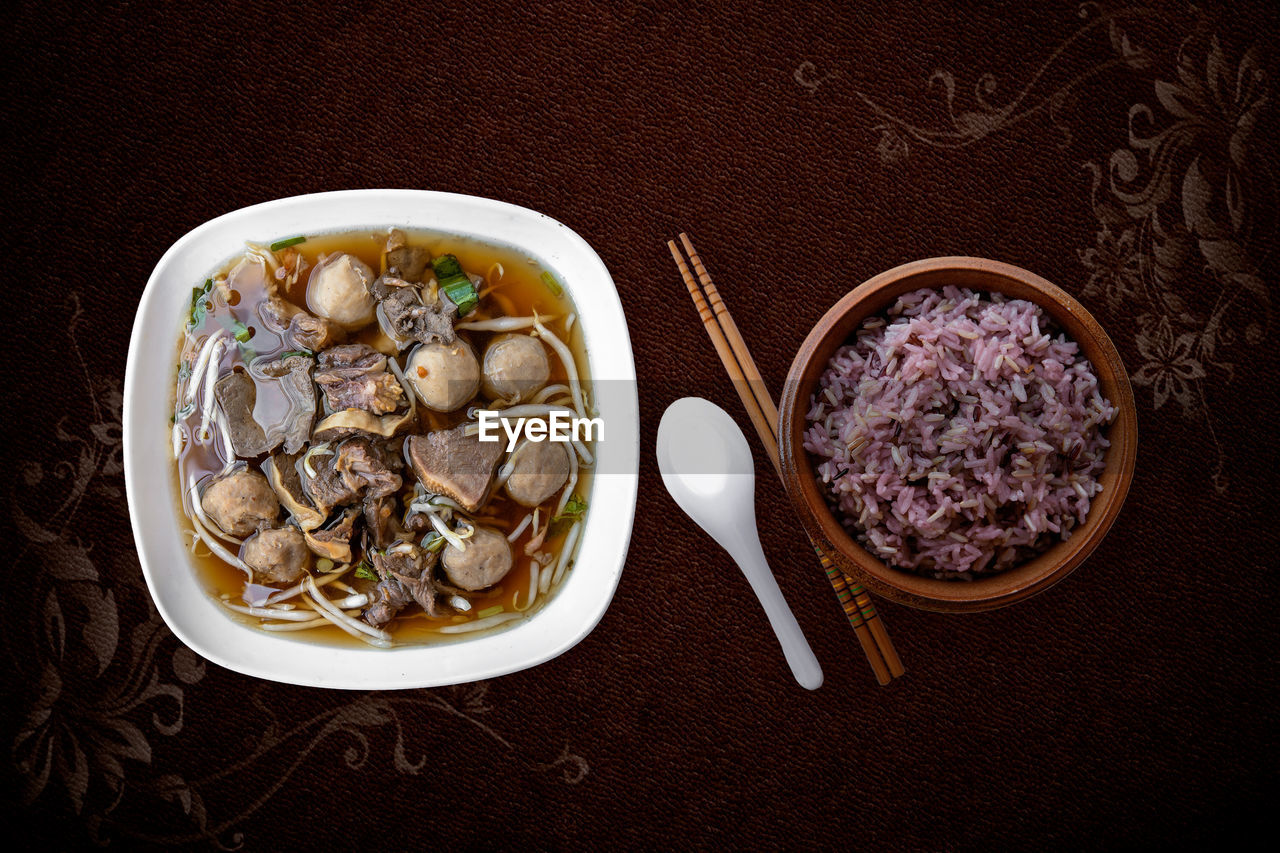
(335, 542)
(351, 421)
(282, 475)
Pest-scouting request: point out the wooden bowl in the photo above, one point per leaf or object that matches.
(991, 591)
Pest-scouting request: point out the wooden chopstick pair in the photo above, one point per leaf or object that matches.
(733, 352)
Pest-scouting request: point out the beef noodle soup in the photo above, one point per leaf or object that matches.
(330, 392)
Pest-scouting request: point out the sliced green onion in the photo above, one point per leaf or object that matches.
(198, 308)
(490, 611)
(554, 286)
(241, 331)
(433, 541)
(447, 266)
(366, 571)
(284, 244)
(455, 284)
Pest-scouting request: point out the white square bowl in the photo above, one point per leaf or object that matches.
(180, 596)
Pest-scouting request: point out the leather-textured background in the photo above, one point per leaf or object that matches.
(1124, 152)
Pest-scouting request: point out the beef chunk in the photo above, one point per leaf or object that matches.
(313, 333)
(401, 259)
(381, 521)
(354, 470)
(236, 394)
(334, 541)
(406, 578)
(413, 316)
(452, 463)
(281, 470)
(354, 376)
(360, 461)
(277, 312)
(408, 262)
(300, 329)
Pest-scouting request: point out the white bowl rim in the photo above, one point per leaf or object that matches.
(189, 609)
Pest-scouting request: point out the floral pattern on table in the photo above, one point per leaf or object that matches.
(1179, 239)
(135, 683)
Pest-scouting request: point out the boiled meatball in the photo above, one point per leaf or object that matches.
(339, 291)
(277, 555)
(515, 367)
(486, 560)
(539, 469)
(240, 501)
(445, 376)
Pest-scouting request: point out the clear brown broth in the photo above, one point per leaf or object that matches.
(521, 291)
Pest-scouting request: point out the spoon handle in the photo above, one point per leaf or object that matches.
(804, 664)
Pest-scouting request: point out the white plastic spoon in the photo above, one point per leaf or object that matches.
(706, 466)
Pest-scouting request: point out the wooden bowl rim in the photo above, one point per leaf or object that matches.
(998, 590)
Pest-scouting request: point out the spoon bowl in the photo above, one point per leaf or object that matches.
(706, 466)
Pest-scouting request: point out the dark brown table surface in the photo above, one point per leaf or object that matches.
(1124, 152)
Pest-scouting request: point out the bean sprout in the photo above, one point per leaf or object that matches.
(322, 449)
(355, 627)
(294, 591)
(457, 602)
(268, 613)
(179, 439)
(210, 379)
(220, 419)
(202, 362)
(198, 508)
(549, 392)
(404, 383)
(538, 535)
(263, 255)
(479, 624)
(313, 622)
(534, 569)
(566, 551)
(570, 484)
(570, 369)
(449, 536)
(498, 324)
(356, 600)
(222, 552)
(524, 522)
